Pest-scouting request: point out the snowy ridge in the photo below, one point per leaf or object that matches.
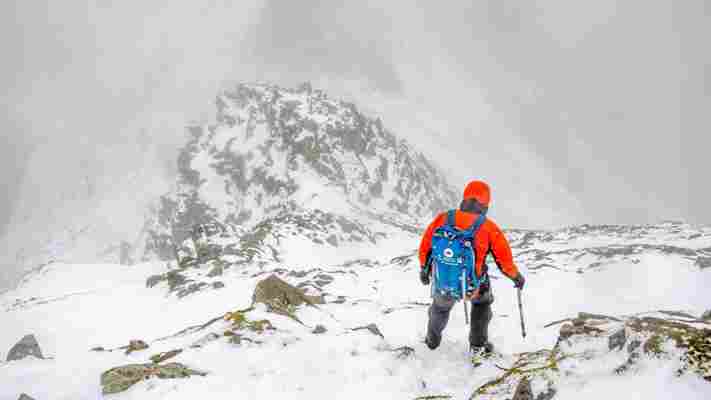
(303, 159)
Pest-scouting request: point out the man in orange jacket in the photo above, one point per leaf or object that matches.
(488, 239)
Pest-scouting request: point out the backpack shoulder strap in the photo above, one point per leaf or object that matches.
(451, 220)
(476, 225)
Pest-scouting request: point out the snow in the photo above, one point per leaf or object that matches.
(77, 307)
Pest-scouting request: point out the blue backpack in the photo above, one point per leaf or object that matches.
(453, 258)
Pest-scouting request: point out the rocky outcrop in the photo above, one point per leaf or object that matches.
(119, 379)
(135, 345)
(593, 337)
(27, 346)
(372, 328)
(281, 297)
(160, 357)
(25, 397)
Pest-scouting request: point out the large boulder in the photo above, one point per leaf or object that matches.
(27, 346)
(119, 379)
(281, 297)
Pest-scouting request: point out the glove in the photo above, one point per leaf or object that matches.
(519, 281)
(425, 275)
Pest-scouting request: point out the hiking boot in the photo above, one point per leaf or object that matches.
(432, 344)
(480, 353)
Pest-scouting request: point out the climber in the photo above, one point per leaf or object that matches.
(446, 249)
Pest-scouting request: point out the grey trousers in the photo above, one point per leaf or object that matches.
(480, 316)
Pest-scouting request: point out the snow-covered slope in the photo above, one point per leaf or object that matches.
(73, 308)
(292, 184)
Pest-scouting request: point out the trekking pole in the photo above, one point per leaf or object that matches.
(464, 296)
(520, 311)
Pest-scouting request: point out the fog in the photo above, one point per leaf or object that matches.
(575, 112)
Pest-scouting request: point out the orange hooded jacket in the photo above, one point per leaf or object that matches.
(489, 238)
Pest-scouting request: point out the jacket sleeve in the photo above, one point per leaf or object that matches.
(426, 242)
(502, 252)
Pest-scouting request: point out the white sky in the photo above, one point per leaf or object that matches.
(575, 112)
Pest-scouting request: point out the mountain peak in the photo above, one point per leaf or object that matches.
(277, 151)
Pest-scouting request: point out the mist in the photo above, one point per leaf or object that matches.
(574, 112)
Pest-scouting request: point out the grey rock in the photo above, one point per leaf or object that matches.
(27, 346)
(218, 285)
(217, 270)
(319, 329)
(633, 345)
(617, 340)
(523, 390)
(25, 397)
(706, 316)
(404, 352)
(372, 328)
(154, 280)
(119, 379)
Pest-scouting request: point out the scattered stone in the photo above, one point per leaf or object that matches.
(192, 288)
(569, 330)
(25, 397)
(160, 357)
(216, 271)
(281, 297)
(154, 280)
(617, 340)
(372, 328)
(404, 352)
(236, 339)
(27, 346)
(322, 280)
(319, 329)
(633, 346)
(119, 379)
(136, 345)
(523, 390)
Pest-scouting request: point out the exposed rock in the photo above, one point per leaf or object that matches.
(98, 348)
(25, 397)
(372, 328)
(160, 357)
(281, 297)
(706, 316)
(319, 329)
(192, 288)
(154, 280)
(216, 271)
(404, 352)
(218, 285)
(136, 345)
(236, 339)
(119, 379)
(523, 390)
(239, 321)
(569, 330)
(617, 340)
(27, 346)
